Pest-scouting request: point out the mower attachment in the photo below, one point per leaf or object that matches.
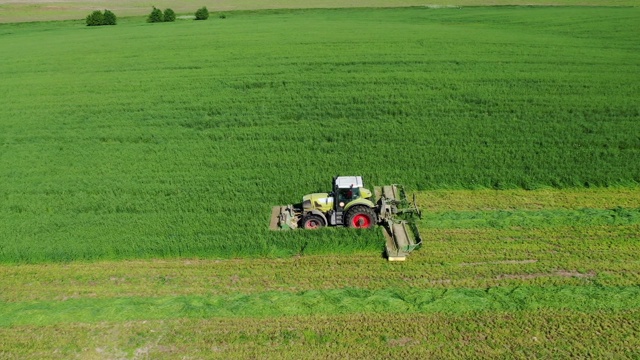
(283, 217)
(396, 215)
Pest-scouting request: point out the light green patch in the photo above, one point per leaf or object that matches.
(328, 302)
(519, 199)
(531, 219)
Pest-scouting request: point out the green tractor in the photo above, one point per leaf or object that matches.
(351, 204)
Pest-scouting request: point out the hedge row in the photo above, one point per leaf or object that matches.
(98, 18)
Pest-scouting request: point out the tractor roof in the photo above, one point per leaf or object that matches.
(346, 182)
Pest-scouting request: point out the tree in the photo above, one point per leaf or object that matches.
(96, 18)
(169, 15)
(109, 18)
(155, 16)
(202, 13)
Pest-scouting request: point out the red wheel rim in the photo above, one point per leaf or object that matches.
(361, 221)
(311, 224)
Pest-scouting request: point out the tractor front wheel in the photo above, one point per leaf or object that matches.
(360, 217)
(312, 222)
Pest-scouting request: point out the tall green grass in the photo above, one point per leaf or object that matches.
(175, 140)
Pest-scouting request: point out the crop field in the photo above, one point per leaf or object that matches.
(162, 140)
(139, 163)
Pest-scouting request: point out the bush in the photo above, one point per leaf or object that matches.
(96, 18)
(109, 18)
(169, 15)
(155, 16)
(202, 13)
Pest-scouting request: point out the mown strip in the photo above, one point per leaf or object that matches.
(539, 334)
(545, 198)
(314, 302)
(468, 258)
(502, 219)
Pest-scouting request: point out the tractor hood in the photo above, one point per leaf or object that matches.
(365, 193)
(318, 201)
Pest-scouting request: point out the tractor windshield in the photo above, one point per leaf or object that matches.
(347, 195)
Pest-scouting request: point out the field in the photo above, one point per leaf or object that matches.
(547, 276)
(46, 10)
(139, 163)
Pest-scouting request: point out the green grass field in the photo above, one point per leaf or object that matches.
(155, 140)
(139, 163)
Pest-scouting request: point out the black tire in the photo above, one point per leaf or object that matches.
(312, 222)
(361, 217)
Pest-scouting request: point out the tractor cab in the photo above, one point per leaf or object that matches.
(346, 189)
(349, 191)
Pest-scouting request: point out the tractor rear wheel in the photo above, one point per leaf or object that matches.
(312, 222)
(361, 217)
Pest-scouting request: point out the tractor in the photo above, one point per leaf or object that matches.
(350, 204)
